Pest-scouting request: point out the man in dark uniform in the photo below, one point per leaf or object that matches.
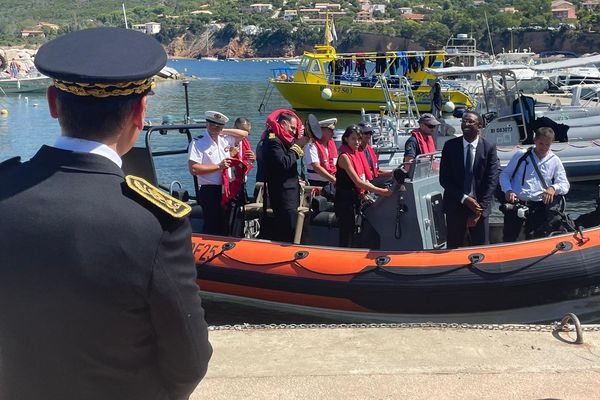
(281, 150)
(97, 281)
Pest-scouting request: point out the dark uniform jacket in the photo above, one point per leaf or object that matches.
(281, 164)
(281, 175)
(97, 286)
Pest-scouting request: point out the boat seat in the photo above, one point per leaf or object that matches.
(325, 219)
(254, 210)
(138, 162)
(319, 204)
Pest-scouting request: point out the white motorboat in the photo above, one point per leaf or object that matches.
(510, 119)
(26, 84)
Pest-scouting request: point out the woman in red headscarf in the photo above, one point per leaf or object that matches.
(282, 144)
(351, 184)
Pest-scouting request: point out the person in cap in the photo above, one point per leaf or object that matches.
(209, 158)
(366, 135)
(106, 305)
(283, 142)
(469, 175)
(320, 155)
(421, 139)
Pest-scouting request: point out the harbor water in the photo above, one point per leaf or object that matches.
(234, 88)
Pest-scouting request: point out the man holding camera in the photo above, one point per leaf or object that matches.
(534, 183)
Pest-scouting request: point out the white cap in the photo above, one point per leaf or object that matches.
(216, 117)
(328, 123)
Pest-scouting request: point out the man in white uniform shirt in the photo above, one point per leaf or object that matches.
(539, 189)
(209, 155)
(320, 155)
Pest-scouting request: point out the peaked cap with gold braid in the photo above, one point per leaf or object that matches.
(102, 62)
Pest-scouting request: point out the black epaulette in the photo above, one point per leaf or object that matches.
(199, 136)
(11, 162)
(170, 205)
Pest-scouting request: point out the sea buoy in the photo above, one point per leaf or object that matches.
(448, 107)
(326, 93)
(283, 77)
(4, 112)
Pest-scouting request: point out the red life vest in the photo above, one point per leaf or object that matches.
(244, 147)
(232, 187)
(374, 165)
(327, 162)
(426, 143)
(274, 127)
(359, 163)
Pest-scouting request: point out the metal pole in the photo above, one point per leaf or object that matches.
(187, 102)
(125, 16)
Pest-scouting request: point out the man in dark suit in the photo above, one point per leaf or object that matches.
(281, 149)
(98, 298)
(469, 175)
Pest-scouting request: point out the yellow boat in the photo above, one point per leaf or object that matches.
(315, 86)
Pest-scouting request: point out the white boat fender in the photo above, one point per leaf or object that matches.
(448, 107)
(326, 94)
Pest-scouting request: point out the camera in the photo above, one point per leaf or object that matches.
(518, 209)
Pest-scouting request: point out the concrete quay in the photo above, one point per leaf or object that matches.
(387, 363)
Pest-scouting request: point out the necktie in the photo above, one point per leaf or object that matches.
(468, 183)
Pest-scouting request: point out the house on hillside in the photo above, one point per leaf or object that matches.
(363, 16)
(405, 10)
(379, 7)
(32, 33)
(413, 17)
(509, 10)
(329, 6)
(150, 28)
(563, 10)
(289, 15)
(309, 15)
(259, 8)
(591, 4)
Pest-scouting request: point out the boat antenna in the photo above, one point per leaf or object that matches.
(489, 33)
(125, 16)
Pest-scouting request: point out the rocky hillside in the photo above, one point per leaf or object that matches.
(579, 42)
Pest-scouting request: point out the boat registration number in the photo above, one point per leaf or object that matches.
(503, 129)
(339, 89)
(204, 251)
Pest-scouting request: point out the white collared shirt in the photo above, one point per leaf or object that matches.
(474, 144)
(87, 146)
(311, 155)
(526, 183)
(204, 150)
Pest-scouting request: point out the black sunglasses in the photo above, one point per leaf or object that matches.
(430, 126)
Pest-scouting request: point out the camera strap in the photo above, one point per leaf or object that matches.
(523, 158)
(537, 171)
